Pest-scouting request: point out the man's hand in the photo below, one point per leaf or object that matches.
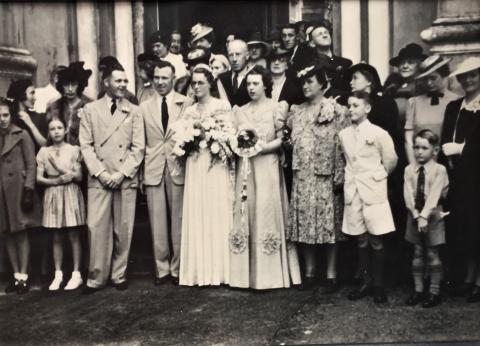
(422, 224)
(104, 178)
(116, 180)
(450, 149)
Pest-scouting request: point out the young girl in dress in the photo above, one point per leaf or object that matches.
(58, 168)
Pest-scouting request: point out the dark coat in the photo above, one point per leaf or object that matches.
(18, 169)
(40, 122)
(291, 92)
(337, 70)
(300, 58)
(239, 98)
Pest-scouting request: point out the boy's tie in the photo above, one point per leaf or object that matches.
(420, 196)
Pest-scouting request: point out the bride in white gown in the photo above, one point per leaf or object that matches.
(208, 199)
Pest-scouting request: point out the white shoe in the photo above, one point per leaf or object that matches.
(74, 282)
(57, 281)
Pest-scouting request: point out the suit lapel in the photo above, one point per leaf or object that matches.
(155, 112)
(177, 107)
(11, 139)
(123, 110)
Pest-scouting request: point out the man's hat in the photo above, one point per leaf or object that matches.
(198, 31)
(256, 39)
(469, 64)
(431, 64)
(410, 51)
(274, 36)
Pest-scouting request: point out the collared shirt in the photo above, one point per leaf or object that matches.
(241, 75)
(177, 62)
(436, 187)
(44, 97)
(277, 88)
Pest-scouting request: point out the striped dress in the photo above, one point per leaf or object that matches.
(63, 205)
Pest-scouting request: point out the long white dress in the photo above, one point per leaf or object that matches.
(207, 213)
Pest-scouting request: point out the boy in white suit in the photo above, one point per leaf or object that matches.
(370, 156)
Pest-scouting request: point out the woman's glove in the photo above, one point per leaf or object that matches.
(27, 199)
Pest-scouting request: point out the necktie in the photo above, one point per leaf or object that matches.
(435, 96)
(235, 82)
(420, 196)
(114, 106)
(164, 113)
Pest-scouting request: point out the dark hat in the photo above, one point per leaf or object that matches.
(106, 62)
(74, 73)
(372, 71)
(256, 39)
(17, 88)
(274, 35)
(142, 57)
(307, 71)
(279, 52)
(198, 56)
(324, 23)
(158, 36)
(431, 64)
(410, 51)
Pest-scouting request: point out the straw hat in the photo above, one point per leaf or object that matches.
(467, 65)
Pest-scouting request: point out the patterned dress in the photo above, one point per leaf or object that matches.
(63, 205)
(316, 211)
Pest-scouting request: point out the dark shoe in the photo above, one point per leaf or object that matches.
(12, 286)
(307, 283)
(161, 281)
(415, 298)
(175, 280)
(431, 300)
(122, 286)
(331, 286)
(23, 287)
(87, 290)
(362, 291)
(474, 296)
(379, 295)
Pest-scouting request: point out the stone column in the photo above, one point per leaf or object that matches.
(351, 30)
(138, 29)
(295, 10)
(456, 31)
(88, 43)
(379, 36)
(124, 40)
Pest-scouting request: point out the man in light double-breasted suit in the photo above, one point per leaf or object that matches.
(112, 141)
(163, 177)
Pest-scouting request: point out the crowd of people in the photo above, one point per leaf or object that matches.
(335, 156)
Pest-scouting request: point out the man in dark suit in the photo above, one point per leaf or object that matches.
(285, 88)
(301, 55)
(232, 84)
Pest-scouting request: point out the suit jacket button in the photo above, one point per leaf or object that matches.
(10, 174)
(101, 160)
(121, 160)
(120, 146)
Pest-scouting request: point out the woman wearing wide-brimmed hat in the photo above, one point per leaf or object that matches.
(258, 50)
(461, 149)
(401, 85)
(71, 84)
(427, 111)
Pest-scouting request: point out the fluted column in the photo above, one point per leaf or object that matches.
(379, 36)
(88, 43)
(138, 28)
(351, 30)
(124, 40)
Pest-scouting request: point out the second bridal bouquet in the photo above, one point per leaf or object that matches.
(246, 143)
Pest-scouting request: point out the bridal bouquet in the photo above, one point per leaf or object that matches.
(246, 143)
(210, 133)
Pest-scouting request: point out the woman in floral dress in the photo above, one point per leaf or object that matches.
(260, 256)
(207, 217)
(316, 206)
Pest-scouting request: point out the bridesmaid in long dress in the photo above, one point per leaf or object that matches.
(261, 258)
(208, 198)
